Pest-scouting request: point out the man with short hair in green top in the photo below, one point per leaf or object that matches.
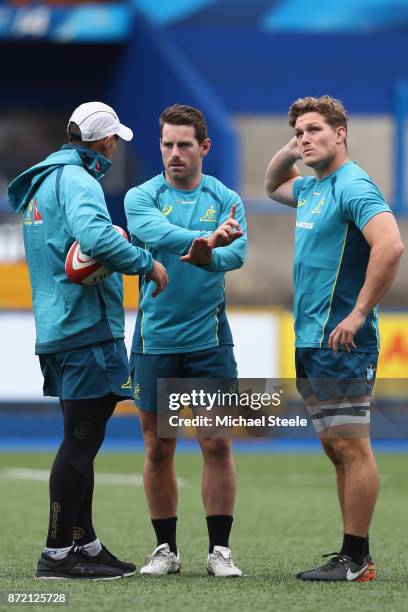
(184, 216)
(347, 249)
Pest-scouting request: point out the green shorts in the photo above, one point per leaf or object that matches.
(218, 363)
(88, 372)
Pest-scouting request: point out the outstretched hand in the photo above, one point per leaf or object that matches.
(227, 232)
(199, 254)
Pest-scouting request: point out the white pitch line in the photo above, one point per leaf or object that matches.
(43, 476)
(317, 479)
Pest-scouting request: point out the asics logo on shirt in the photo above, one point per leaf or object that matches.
(167, 210)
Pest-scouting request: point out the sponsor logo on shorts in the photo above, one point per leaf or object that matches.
(370, 372)
(209, 216)
(127, 384)
(137, 391)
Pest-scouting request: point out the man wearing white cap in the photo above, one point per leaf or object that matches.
(97, 121)
(79, 328)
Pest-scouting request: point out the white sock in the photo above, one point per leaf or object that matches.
(93, 548)
(57, 553)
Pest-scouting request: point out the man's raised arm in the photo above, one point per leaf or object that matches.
(281, 173)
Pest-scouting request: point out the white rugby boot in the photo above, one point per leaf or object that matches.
(221, 563)
(161, 562)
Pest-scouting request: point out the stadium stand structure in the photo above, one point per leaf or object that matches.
(281, 15)
(233, 59)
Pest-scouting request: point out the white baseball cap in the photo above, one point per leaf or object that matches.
(97, 120)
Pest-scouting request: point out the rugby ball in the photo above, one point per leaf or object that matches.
(84, 270)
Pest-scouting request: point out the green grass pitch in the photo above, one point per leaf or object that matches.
(286, 517)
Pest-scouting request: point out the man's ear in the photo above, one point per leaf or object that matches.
(341, 134)
(101, 146)
(106, 145)
(205, 147)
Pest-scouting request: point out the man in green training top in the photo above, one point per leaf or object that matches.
(182, 216)
(347, 248)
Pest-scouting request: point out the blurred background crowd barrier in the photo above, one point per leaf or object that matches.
(243, 62)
